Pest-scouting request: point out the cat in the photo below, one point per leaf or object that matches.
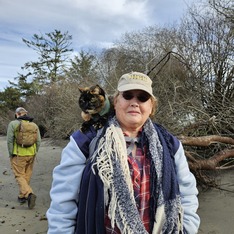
(96, 107)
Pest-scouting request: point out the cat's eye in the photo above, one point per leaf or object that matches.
(141, 97)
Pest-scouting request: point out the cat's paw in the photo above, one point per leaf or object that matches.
(85, 117)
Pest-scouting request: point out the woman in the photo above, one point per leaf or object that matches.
(130, 177)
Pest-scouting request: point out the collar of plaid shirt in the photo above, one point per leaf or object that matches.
(131, 142)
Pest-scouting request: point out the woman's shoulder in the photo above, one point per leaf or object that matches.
(171, 140)
(83, 139)
(161, 128)
(88, 135)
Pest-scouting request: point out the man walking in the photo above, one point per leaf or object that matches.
(22, 156)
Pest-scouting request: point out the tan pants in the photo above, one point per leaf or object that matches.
(22, 168)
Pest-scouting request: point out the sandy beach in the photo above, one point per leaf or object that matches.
(216, 206)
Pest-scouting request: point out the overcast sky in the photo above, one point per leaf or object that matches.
(92, 23)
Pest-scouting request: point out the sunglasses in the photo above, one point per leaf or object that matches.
(141, 97)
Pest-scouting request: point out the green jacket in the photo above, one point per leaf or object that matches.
(15, 149)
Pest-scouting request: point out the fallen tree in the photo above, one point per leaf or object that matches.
(219, 157)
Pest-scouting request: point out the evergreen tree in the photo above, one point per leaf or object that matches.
(53, 53)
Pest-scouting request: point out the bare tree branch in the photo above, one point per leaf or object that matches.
(205, 140)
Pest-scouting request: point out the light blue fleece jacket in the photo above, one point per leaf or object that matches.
(67, 175)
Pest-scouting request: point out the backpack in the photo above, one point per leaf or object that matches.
(26, 133)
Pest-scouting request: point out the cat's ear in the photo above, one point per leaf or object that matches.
(81, 89)
(100, 90)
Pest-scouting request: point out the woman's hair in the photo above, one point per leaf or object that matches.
(153, 99)
(154, 106)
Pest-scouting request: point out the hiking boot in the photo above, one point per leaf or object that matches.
(31, 200)
(22, 200)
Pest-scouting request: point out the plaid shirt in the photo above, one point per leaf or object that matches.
(139, 166)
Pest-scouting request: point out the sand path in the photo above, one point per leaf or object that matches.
(216, 207)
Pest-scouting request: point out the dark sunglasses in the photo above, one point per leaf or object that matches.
(142, 97)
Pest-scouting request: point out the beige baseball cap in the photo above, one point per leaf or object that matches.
(135, 80)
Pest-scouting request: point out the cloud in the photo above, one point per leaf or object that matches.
(96, 23)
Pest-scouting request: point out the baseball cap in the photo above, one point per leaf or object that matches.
(20, 110)
(135, 80)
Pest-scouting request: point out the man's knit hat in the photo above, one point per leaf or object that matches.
(20, 110)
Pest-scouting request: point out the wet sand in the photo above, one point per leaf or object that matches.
(216, 206)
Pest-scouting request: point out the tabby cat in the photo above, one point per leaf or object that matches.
(96, 107)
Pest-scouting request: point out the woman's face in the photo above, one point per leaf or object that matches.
(132, 109)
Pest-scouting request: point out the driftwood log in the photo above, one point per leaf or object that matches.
(219, 160)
